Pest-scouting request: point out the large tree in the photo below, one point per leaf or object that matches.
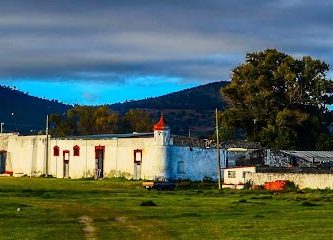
(280, 101)
(85, 120)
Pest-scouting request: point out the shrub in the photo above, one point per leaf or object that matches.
(310, 204)
(148, 203)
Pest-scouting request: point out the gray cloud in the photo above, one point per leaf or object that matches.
(112, 40)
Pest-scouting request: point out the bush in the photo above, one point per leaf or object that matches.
(208, 179)
(148, 203)
(310, 204)
(291, 187)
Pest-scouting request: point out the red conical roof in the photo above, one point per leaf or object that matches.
(161, 125)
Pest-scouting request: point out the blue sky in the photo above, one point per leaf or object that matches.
(98, 93)
(96, 52)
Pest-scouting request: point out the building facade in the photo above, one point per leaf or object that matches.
(134, 156)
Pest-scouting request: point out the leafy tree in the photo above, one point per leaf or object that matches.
(138, 120)
(87, 120)
(280, 100)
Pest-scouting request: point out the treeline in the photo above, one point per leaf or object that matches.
(88, 120)
(204, 97)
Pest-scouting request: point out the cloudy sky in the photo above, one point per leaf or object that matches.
(94, 52)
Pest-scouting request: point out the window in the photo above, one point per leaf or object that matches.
(180, 167)
(244, 173)
(76, 150)
(231, 174)
(56, 151)
(138, 156)
(66, 155)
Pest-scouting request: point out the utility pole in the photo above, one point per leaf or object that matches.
(2, 126)
(254, 129)
(47, 147)
(218, 151)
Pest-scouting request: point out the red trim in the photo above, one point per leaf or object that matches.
(98, 148)
(63, 156)
(9, 172)
(161, 125)
(137, 151)
(76, 151)
(56, 151)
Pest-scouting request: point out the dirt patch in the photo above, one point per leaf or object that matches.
(88, 228)
(120, 219)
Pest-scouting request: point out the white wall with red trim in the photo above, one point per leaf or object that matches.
(160, 158)
(118, 157)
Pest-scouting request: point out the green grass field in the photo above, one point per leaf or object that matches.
(110, 209)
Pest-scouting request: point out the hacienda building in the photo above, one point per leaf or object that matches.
(134, 156)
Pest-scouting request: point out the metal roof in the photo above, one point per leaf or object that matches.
(323, 156)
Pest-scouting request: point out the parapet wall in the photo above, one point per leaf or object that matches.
(302, 180)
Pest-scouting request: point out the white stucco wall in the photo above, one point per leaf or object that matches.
(160, 158)
(25, 153)
(118, 157)
(236, 175)
(302, 180)
(197, 162)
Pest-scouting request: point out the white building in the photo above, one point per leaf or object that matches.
(134, 156)
(235, 177)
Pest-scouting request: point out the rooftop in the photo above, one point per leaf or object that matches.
(322, 156)
(109, 136)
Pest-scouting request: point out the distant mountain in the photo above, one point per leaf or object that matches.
(29, 112)
(190, 111)
(187, 110)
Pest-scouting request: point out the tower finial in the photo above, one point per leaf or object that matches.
(161, 125)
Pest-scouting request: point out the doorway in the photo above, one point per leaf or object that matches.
(66, 164)
(3, 161)
(99, 160)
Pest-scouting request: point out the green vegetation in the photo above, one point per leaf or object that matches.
(86, 120)
(190, 109)
(280, 101)
(37, 208)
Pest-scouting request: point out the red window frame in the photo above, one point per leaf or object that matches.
(137, 161)
(76, 151)
(56, 151)
(63, 154)
(97, 148)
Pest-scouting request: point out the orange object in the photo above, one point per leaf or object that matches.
(278, 185)
(161, 125)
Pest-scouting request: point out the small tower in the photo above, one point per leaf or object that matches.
(162, 132)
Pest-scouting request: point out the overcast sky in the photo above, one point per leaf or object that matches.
(93, 52)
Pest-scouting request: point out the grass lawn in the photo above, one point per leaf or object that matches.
(37, 208)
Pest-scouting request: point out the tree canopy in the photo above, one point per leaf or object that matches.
(280, 101)
(87, 120)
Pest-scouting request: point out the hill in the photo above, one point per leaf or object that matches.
(190, 111)
(187, 110)
(29, 112)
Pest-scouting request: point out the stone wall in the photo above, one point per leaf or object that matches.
(302, 180)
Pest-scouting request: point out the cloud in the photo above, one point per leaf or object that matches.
(115, 41)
